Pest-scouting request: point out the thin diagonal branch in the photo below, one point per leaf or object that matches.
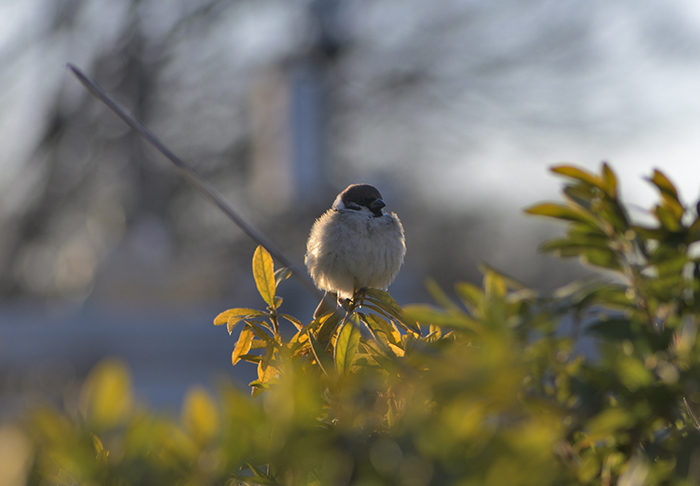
(199, 183)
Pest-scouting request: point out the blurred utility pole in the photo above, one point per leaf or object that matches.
(289, 109)
(309, 78)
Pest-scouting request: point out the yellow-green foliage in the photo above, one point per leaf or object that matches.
(482, 390)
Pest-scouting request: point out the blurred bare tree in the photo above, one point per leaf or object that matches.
(282, 103)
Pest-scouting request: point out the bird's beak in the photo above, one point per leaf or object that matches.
(376, 206)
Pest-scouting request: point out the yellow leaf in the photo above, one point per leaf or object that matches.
(200, 416)
(107, 397)
(232, 317)
(264, 273)
(397, 350)
(245, 340)
(266, 370)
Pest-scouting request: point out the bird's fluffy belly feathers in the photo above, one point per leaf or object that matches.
(348, 251)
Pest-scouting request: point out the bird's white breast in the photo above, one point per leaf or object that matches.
(348, 250)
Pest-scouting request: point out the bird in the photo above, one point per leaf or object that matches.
(353, 246)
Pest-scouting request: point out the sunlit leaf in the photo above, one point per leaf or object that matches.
(296, 322)
(107, 395)
(346, 345)
(200, 415)
(243, 344)
(494, 285)
(378, 324)
(633, 374)
(266, 370)
(396, 350)
(97, 443)
(232, 317)
(384, 301)
(264, 274)
(580, 175)
(610, 181)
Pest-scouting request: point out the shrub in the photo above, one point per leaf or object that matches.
(486, 390)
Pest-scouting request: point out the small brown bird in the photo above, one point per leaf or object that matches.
(354, 245)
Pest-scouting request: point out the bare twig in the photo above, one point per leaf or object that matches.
(199, 183)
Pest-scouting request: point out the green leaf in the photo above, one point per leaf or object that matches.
(282, 274)
(296, 322)
(97, 443)
(438, 295)
(328, 327)
(615, 329)
(385, 301)
(243, 345)
(559, 211)
(471, 295)
(580, 175)
(264, 274)
(668, 218)
(377, 324)
(346, 345)
(324, 361)
(693, 232)
(608, 422)
(266, 370)
(259, 331)
(427, 314)
(601, 258)
(580, 196)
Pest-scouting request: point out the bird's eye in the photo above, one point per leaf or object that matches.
(353, 206)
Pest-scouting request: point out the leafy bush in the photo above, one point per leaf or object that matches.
(486, 390)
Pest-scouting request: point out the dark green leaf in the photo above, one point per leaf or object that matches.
(325, 362)
(329, 325)
(667, 218)
(601, 258)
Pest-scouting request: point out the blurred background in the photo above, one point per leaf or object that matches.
(454, 109)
